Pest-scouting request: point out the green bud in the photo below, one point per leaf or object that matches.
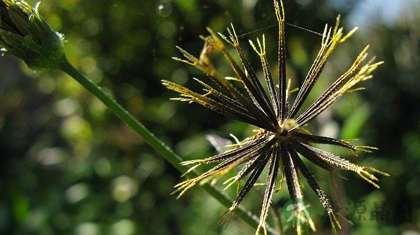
(26, 35)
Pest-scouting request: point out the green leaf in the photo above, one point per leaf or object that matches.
(354, 124)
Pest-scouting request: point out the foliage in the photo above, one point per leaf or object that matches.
(70, 167)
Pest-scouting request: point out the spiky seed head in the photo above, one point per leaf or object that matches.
(281, 141)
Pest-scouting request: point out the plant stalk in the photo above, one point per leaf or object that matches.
(152, 140)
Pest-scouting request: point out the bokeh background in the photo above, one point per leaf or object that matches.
(69, 166)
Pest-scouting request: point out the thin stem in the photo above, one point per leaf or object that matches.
(277, 219)
(151, 139)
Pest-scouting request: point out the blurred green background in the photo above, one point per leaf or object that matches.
(69, 166)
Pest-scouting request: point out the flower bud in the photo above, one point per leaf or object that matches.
(26, 35)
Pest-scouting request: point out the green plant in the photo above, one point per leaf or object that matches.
(26, 35)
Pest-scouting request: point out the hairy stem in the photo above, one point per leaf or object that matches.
(151, 139)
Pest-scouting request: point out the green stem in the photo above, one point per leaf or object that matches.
(151, 139)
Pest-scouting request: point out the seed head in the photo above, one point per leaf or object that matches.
(281, 141)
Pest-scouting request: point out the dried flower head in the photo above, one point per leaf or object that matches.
(281, 141)
(26, 35)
